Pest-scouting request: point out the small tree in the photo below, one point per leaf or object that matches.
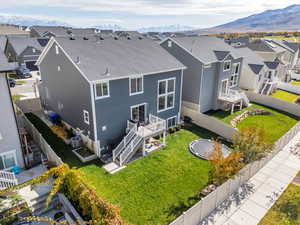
(224, 168)
(252, 143)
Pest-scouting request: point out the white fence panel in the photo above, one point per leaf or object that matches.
(179, 221)
(289, 87)
(193, 215)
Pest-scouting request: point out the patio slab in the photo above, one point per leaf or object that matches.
(29, 174)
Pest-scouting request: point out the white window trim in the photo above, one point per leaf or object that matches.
(166, 94)
(227, 87)
(108, 90)
(138, 105)
(58, 68)
(86, 117)
(235, 75)
(136, 93)
(224, 65)
(169, 44)
(170, 118)
(9, 152)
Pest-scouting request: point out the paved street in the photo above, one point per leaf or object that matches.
(253, 200)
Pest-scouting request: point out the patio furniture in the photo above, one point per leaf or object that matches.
(16, 169)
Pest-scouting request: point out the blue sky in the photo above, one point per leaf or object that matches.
(140, 13)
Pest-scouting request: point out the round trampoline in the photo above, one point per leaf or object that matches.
(204, 147)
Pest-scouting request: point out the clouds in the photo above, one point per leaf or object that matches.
(209, 12)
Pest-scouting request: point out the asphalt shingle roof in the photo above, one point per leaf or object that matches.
(119, 58)
(272, 65)
(259, 45)
(207, 49)
(21, 43)
(56, 30)
(250, 58)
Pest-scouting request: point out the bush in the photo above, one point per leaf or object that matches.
(225, 168)
(297, 101)
(252, 143)
(60, 131)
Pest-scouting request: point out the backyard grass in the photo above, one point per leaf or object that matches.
(275, 125)
(286, 210)
(296, 82)
(152, 190)
(20, 82)
(286, 96)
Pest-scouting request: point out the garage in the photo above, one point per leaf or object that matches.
(31, 65)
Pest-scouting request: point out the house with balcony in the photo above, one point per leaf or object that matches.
(10, 143)
(274, 51)
(211, 80)
(118, 92)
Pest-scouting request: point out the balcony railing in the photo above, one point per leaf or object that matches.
(230, 96)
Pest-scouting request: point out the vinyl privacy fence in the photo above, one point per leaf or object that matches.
(39, 140)
(208, 204)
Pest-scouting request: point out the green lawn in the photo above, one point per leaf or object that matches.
(152, 190)
(286, 96)
(275, 125)
(286, 210)
(296, 82)
(20, 82)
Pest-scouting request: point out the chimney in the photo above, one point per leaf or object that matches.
(77, 60)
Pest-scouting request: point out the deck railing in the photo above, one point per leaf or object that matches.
(7, 179)
(230, 96)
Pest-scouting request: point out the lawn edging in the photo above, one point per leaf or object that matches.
(200, 211)
(274, 103)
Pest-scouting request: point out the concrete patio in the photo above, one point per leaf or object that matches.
(253, 200)
(29, 174)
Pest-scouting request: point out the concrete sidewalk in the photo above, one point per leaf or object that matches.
(253, 200)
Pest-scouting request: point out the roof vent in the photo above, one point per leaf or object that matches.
(106, 73)
(77, 60)
(140, 38)
(85, 38)
(128, 38)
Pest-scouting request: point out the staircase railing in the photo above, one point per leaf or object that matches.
(231, 96)
(124, 142)
(7, 179)
(129, 149)
(245, 98)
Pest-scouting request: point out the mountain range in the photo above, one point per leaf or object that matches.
(29, 21)
(286, 19)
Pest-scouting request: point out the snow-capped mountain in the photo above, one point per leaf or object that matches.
(109, 27)
(29, 21)
(170, 28)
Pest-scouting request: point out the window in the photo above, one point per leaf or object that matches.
(60, 106)
(227, 65)
(33, 50)
(136, 85)
(169, 44)
(171, 122)
(235, 75)
(56, 50)
(166, 94)
(58, 68)
(8, 160)
(102, 89)
(207, 66)
(86, 117)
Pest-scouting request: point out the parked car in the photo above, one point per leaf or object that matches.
(23, 73)
(12, 82)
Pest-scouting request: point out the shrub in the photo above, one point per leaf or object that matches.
(252, 143)
(60, 131)
(224, 168)
(297, 101)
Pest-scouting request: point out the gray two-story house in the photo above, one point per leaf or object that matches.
(211, 80)
(25, 50)
(105, 87)
(10, 142)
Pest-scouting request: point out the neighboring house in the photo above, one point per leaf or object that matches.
(10, 143)
(270, 51)
(6, 29)
(59, 31)
(102, 86)
(253, 70)
(257, 75)
(211, 80)
(25, 50)
(295, 47)
(237, 41)
(48, 31)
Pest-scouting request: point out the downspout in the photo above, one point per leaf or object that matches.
(94, 119)
(201, 86)
(181, 84)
